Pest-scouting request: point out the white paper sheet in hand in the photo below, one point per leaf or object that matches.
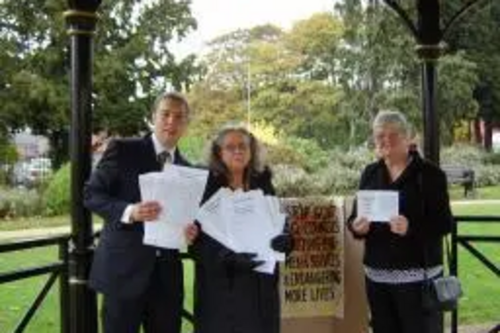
(377, 206)
(179, 190)
(251, 225)
(213, 220)
(244, 222)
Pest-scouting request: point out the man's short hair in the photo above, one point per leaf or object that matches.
(173, 96)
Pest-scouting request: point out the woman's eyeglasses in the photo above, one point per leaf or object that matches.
(236, 148)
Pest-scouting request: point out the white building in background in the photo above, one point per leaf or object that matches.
(29, 145)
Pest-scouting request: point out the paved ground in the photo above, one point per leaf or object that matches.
(475, 202)
(485, 328)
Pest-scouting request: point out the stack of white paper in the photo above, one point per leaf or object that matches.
(179, 190)
(244, 222)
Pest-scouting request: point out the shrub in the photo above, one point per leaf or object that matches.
(492, 158)
(337, 180)
(465, 155)
(354, 159)
(487, 175)
(283, 155)
(293, 182)
(339, 177)
(485, 165)
(301, 153)
(19, 203)
(57, 193)
(312, 155)
(193, 148)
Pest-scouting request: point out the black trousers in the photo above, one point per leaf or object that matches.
(158, 310)
(398, 309)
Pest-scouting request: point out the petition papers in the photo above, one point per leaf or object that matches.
(377, 206)
(244, 222)
(179, 190)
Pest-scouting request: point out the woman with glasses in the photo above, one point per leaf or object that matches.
(230, 296)
(403, 252)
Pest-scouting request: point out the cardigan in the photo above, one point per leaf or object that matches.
(424, 201)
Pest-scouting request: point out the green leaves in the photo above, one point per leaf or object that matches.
(132, 62)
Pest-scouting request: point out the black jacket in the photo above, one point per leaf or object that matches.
(122, 264)
(228, 300)
(424, 201)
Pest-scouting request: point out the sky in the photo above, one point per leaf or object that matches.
(216, 17)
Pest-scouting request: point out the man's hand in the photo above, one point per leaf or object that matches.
(145, 211)
(361, 225)
(399, 225)
(191, 232)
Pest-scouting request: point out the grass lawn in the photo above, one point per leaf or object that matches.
(482, 193)
(480, 304)
(35, 222)
(481, 301)
(17, 296)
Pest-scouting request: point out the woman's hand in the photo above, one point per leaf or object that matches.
(361, 225)
(191, 232)
(399, 225)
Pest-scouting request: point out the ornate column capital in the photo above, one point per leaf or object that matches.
(430, 52)
(84, 5)
(81, 16)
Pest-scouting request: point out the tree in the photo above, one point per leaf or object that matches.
(301, 108)
(213, 108)
(380, 70)
(133, 62)
(317, 40)
(477, 35)
(264, 73)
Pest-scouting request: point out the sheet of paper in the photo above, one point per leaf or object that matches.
(251, 225)
(213, 220)
(267, 267)
(377, 206)
(179, 190)
(244, 222)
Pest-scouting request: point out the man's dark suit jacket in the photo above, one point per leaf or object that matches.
(122, 264)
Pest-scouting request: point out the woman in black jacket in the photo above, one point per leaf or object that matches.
(403, 253)
(230, 297)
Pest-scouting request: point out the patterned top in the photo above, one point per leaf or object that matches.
(401, 276)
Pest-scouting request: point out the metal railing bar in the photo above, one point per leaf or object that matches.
(36, 303)
(188, 316)
(64, 289)
(476, 253)
(481, 239)
(32, 243)
(31, 272)
(477, 218)
(186, 256)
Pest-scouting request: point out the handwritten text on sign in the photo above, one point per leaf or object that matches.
(312, 279)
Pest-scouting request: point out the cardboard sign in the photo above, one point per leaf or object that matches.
(312, 279)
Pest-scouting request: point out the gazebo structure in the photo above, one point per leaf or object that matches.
(429, 34)
(82, 19)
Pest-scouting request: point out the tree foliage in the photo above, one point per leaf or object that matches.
(327, 77)
(133, 62)
(323, 79)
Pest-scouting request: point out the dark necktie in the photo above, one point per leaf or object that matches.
(164, 157)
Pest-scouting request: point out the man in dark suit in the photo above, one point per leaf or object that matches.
(141, 284)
